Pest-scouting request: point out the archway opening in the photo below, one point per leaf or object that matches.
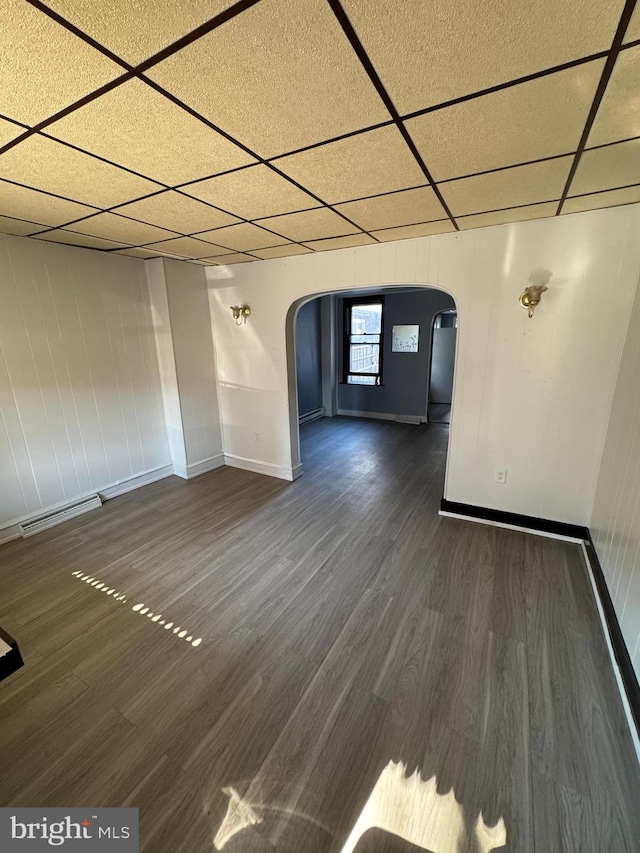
(362, 354)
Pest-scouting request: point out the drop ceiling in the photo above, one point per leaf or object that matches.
(225, 132)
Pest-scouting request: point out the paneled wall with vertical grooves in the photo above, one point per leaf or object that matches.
(80, 396)
(615, 523)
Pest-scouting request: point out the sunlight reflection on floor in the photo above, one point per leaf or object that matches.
(402, 805)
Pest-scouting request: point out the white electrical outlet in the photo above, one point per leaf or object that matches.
(275, 355)
(500, 476)
(256, 436)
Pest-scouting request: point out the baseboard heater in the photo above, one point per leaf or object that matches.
(50, 519)
(311, 416)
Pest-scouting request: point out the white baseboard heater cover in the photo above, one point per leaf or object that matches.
(50, 519)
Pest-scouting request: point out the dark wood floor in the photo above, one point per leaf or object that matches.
(348, 633)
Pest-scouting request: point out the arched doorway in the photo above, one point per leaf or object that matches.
(337, 360)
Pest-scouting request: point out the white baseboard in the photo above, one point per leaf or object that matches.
(383, 416)
(378, 416)
(573, 539)
(282, 472)
(197, 468)
(11, 530)
(614, 663)
(297, 471)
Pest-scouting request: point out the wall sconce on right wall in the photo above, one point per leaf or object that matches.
(530, 297)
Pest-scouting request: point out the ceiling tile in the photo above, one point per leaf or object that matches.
(629, 195)
(507, 188)
(427, 53)
(9, 131)
(136, 127)
(252, 193)
(137, 30)
(618, 116)
(137, 252)
(226, 260)
(188, 247)
(48, 165)
(537, 119)
(309, 225)
(244, 237)
(367, 164)
(177, 212)
(24, 203)
(633, 30)
(44, 67)
(74, 239)
(607, 168)
(279, 76)
(388, 211)
(340, 242)
(501, 217)
(405, 232)
(120, 228)
(282, 251)
(9, 225)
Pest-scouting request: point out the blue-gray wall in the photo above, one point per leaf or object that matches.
(405, 375)
(443, 357)
(309, 358)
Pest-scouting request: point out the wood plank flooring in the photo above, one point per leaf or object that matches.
(350, 636)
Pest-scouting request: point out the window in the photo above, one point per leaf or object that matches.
(362, 343)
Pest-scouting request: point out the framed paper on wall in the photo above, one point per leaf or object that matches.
(405, 338)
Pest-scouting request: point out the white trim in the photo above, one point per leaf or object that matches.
(380, 416)
(544, 533)
(635, 737)
(188, 472)
(10, 529)
(297, 471)
(312, 416)
(281, 471)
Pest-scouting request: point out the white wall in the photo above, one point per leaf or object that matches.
(80, 398)
(615, 524)
(195, 369)
(531, 396)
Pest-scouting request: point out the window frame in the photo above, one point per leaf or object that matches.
(347, 306)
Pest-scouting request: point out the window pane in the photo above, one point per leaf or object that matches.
(364, 358)
(366, 319)
(365, 339)
(362, 380)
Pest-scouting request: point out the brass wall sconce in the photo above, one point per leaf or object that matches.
(240, 313)
(531, 296)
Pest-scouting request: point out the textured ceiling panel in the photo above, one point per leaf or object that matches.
(430, 52)
(407, 231)
(24, 203)
(281, 251)
(608, 168)
(226, 260)
(18, 226)
(119, 228)
(618, 116)
(243, 237)
(501, 217)
(135, 30)
(252, 193)
(509, 188)
(279, 76)
(78, 240)
(340, 242)
(9, 131)
(629, 195)
(50, 166)
(633, 30)
(164, 143)
(537, 119)
(310, 225)
(389, 211)
(188, 247)
(43, 67)
(177, 212)
(344, 170)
